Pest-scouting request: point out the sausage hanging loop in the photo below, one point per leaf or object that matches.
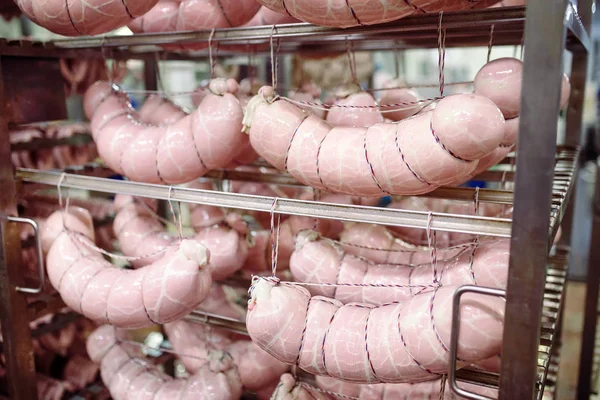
(431, 241)
(177, 220)
(489, 53)
(441, 53)
(274, 238)
(210, 54)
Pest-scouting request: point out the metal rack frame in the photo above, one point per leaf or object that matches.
(540, 198)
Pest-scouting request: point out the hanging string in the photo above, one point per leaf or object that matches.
(316, 197)
(358, 285)
(210, 54)
(522, 46)
(476, 201)
(275, 230)
(316, 389)
(274, 56)
(489, 53)
(351, 61)
(383, 108)
(431, 241)
(441, 53)
(442, 387)
(159, 80)
(177, 221)
(105, 60)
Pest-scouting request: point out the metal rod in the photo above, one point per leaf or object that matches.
(231, 324)
(499, 227)
(455, 333)
(545, 34)
(40, 255)
(303, 31)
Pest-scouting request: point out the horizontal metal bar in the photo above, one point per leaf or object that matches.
(230, 324)
(302, 31)
(412, 219)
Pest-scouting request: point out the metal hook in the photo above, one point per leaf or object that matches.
(455, 331)
(38, 243)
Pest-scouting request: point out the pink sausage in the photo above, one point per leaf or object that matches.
(347, 13)
(265, 16)
(318, 260)
(354, 117)
(140, 235)
(138, 232)
(195, 342)
(361, 343)
(170, 16)
(256, 367)
(161, 292)
(128, 377)
(413, 156)
(158, 110)
(81, 18)
(376, 243)
(443, 239)
(176, 153)
(406, 98)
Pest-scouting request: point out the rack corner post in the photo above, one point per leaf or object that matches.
(14, 318)
(545, 37)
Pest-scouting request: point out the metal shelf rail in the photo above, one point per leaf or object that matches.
(417, 31)
(540, 198)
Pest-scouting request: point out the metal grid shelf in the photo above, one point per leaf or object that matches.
(466, 28)
(565, 170)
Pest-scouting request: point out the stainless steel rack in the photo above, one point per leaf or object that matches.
(540, 198)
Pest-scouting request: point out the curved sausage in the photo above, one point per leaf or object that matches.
(82, 18)
(418, 237)
(180, 152)
(400, 95)
(393, 343)
(163, 291)
(131, 378)
(349, 13)
(186, 15)
(413, 156)
(140, 234)
(159, 110)
(351, 96)
(318, 260)
(265, 16)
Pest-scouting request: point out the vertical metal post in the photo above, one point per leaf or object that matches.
(574, 128)
(586, 361)
(14, 318)
(544, 44)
